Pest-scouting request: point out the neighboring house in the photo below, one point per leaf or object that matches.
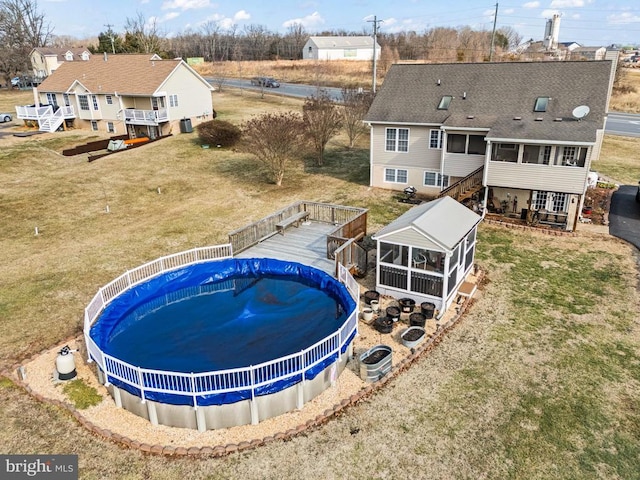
(525, 131)
(588, 53)
(46, 60)
(340, 48)
(427, 253)
(138, 95)
(570, 46)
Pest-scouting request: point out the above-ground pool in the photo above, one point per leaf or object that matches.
(224, 342)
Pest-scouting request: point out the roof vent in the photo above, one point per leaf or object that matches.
(470, 117)
(464, 95)
(538, 119)
(438, 82)
(105, 56)
(557, 119)
(517, 118)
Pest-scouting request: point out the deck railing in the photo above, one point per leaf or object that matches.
(351, 222)
(198, 385)
(145, 117)
(470, 183)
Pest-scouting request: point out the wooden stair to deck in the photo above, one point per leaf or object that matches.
(465, 187)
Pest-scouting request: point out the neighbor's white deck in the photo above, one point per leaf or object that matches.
(306, 244)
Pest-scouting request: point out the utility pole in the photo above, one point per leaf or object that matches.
(113, 47)
(375, 22)
(493, 34)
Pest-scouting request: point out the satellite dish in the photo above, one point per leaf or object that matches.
(580, 112)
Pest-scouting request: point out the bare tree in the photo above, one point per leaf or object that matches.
(142, 36)
(356, 104)
(275, 139)
(322, 120)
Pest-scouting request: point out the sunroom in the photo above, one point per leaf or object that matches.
(427, 253)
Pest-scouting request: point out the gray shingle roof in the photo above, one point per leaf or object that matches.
(496, 93)
(443, 220)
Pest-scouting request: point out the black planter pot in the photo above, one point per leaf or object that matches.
(407, 304)
(417, 319)
(427, 309)
(393, 313)
(371, 295)
(384, 324)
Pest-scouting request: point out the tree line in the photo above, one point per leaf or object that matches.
(23, 27)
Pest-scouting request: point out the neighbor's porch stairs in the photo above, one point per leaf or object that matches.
(464, 188)
(50, 121)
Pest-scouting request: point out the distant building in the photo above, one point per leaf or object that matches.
(340, 48)
(46, 60)
(588, 53)
(552, 33)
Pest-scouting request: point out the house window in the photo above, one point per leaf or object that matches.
(350, 52)
(84, 102)
(397, 140)
(559, 202)
(109, 99)
(477, 145)
(52, 100)
(571, 156)
(539, 201)
(541, 104)
(435, 138)
(65, 97)
(110, 127)
(94, 125)
(445, 101)
(94, 100)
(68, 57)
(435, 179)
(469, 144)
(395, 175)
(173, 100)
(537, 154)
(456, 143)
(504, 152)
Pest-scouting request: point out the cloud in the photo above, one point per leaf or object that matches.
(509, 11)
(567, 3)
(241, 15)
(623, 18)
(531, 5)
(170, 16)
(185, 4)
(309, 21)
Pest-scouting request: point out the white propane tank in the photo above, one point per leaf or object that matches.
(66, 364)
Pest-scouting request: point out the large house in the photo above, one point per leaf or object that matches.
(138, 95)
(46, 60)
(340, 48)
(521, 135)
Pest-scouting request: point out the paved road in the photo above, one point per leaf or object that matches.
(289, 89)
(626, 124)
(624, 215)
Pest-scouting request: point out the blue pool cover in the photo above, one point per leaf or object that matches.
(219, 315)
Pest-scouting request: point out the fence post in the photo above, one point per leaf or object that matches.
(254, 407)
(141, 384)
(300, 388)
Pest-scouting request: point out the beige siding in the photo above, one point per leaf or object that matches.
(595, 150)
(461, 165)
(419, 154)
(194, 96)
(537, 177)
(415, 177)
(410, 237)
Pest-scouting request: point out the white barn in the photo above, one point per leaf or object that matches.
(340, 48)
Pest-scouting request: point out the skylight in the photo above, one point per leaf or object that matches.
(445, 102)
(541, 104)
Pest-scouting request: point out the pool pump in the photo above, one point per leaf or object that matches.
(66, 364)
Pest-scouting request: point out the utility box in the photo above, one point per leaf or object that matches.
(185, 125)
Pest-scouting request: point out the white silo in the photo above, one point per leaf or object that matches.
(552, 33)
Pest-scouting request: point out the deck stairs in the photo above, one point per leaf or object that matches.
(464, 188)
(50, 121)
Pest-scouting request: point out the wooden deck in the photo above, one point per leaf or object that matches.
(306, 244)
